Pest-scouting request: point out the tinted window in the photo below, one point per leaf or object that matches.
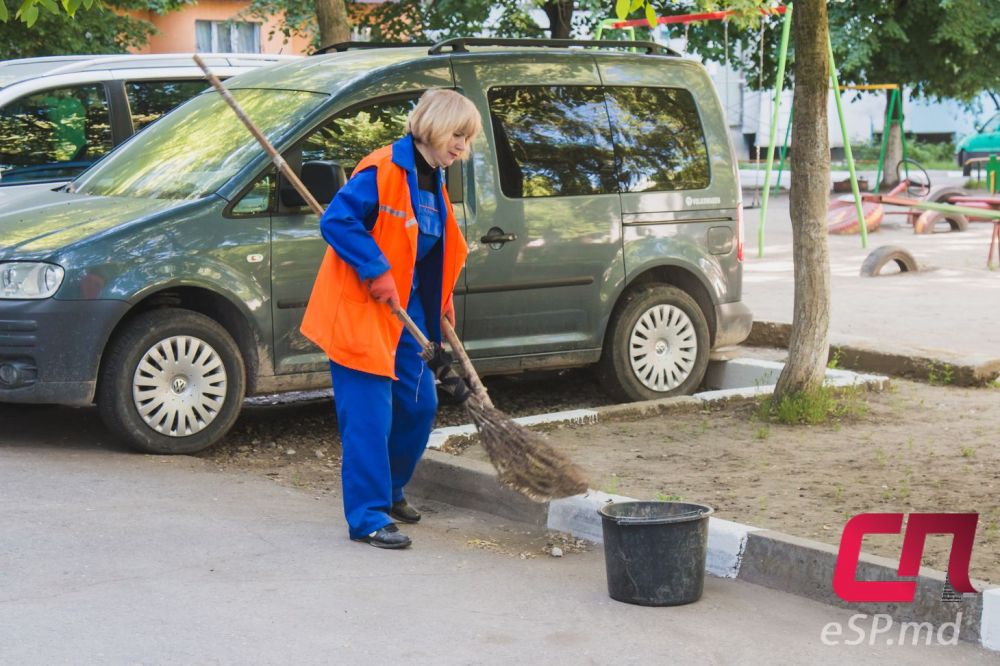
(552, 141)
(148, 100)
(53, 134)
(348, 137)
(659, 141)
(258, 199)
(351, 135)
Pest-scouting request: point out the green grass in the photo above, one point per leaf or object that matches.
(940, 374)
(814, 407)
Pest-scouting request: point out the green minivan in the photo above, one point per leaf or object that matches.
(601, 206)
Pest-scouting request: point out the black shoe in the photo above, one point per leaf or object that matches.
(387, 537)
(404, 513)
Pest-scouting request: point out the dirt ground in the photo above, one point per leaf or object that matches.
(917, 448)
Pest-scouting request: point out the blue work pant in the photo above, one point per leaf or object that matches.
(384, 426)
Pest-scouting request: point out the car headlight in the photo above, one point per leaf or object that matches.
(29, 279)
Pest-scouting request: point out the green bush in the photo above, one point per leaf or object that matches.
(930, 155)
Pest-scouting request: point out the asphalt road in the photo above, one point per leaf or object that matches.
(109, 557)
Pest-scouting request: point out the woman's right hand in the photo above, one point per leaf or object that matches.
(383, 289)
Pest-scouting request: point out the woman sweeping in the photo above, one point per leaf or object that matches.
(394, 243)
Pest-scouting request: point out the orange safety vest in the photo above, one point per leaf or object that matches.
(352, 328)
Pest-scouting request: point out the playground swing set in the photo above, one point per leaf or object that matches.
(926, 209)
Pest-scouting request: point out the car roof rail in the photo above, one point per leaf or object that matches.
(217, 59)
(461, 44)
(340, 47)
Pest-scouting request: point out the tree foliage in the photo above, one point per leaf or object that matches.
(422, 20)
(30, 11)
(933, 48)
(60, 29)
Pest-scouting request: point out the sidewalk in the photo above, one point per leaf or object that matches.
(112, 558)
(951, 306)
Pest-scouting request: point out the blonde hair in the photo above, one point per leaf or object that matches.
(439, 114)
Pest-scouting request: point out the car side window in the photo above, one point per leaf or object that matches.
(659, 140)
(552, 141)
(259, 199)
(54, 134)
(349, 136)
(148, 100)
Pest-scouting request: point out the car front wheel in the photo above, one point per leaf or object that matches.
(657, 345)
(172, 381)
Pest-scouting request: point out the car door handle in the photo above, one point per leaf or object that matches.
(496, 236)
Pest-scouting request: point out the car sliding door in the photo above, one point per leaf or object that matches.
(543, 228)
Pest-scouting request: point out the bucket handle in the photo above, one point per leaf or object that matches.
(642, 520)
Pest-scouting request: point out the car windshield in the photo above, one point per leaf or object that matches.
(193, 151)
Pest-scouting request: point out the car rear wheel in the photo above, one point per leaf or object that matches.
(657, 345)
(172, 381)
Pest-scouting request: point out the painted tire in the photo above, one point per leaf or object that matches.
(881, 256)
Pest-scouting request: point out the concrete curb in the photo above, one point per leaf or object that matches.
(472, 484)
(990, 626)
(871, 356)
(805, 568)
(798, 566)
(742, 378)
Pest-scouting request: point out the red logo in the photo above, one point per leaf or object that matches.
(962, 526)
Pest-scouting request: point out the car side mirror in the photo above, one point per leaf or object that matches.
(323, 178)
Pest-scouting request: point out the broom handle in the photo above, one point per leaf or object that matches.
(463, 358)
(299, 186)
(278, 160)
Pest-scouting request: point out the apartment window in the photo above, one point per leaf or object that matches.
(227, 37)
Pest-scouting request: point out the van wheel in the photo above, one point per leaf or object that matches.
(657, 345)
(172, 381)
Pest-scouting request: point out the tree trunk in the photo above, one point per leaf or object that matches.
(560, 13)
(331, 15)
(893, 151)
(808, 345)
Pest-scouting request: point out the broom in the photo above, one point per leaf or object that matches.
(524, 460)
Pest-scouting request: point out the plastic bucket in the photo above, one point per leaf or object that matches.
(655, 551)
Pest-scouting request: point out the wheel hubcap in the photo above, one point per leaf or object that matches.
(663, 347)
(179, 386)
